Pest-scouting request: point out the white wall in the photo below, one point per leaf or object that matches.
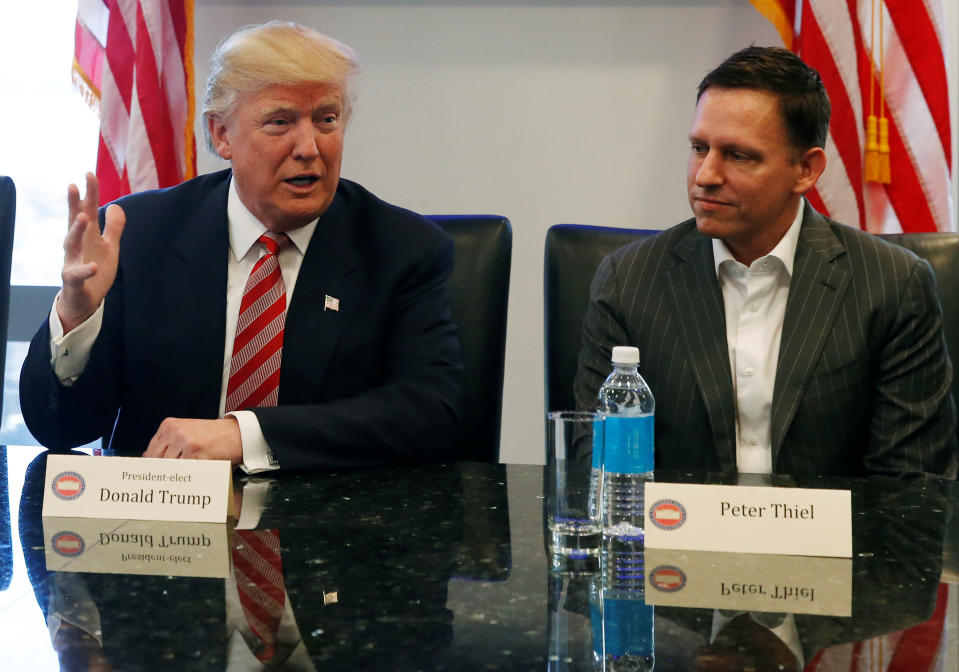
(545, 112)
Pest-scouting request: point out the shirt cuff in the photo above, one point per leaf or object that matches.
(69, 353)
(257, 456)
(254, 501)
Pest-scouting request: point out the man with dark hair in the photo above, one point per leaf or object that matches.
(774, 339)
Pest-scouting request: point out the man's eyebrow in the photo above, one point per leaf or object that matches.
(276, 109)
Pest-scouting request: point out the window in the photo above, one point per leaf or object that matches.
(49, 138)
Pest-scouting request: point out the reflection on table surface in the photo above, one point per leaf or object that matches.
(443, 567)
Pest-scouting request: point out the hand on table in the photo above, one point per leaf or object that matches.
(197, 440)
(89, 259)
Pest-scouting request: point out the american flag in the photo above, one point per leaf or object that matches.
(920, 648)
(878, 58)
(133, 62)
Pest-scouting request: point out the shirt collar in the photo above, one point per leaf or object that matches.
(785, 249)
(245, 228)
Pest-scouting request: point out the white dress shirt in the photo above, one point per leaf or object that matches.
(70, 353)
(754, 298)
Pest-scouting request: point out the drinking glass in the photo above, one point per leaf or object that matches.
(574, 444)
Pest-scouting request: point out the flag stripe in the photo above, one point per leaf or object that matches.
(842, 124)
(908, 198)
(920, 43)
(156, 118)
(121, 55)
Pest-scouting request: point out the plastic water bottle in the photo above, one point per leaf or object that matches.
(628, 404)
(622, 623)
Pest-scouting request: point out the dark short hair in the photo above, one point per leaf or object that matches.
(802, 96)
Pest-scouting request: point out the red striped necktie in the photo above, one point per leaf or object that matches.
(258, 347)
(259, 581)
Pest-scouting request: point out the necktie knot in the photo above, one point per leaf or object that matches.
(273, 242)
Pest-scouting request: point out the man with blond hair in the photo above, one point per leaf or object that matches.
(272, 314)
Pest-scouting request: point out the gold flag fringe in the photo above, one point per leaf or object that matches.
(84, 85)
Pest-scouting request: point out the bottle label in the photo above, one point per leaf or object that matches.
(629, 444)
(628, 626)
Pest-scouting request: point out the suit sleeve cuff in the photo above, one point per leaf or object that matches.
(69, 353)
(257, 456)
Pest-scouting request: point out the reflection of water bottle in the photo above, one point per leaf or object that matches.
(622, 622)
(628, 404)
(569, 633)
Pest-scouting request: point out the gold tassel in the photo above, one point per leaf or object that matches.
(872, 150)
(885, 175)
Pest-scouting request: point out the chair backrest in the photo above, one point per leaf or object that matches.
(573, 253)
(479, 292)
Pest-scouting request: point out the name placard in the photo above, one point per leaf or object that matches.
(749, 519)
(156, 548)
(138, 488)
(749, 582)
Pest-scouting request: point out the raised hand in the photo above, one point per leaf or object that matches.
(89, 259)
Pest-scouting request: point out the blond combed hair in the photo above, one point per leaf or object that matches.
(276, 52)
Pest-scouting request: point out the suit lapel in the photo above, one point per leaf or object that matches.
(694, 291)
(331, 268)
(193, 285)
(815, 294)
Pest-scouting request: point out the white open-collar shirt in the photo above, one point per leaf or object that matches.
(754, 298)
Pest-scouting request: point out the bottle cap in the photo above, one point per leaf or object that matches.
(625, 354)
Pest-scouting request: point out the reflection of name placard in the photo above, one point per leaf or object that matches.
(749, 582)
(140, 488)
(156, 548)
(744, 519)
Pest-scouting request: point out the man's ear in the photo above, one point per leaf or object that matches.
(811, 165)
(218, 133)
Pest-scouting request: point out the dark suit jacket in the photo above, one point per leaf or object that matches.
(376, 381)
(863, 378)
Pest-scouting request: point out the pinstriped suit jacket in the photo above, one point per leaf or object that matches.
(863, 379)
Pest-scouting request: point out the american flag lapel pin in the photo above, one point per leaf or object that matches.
(331, 303)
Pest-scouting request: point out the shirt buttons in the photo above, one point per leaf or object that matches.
(754, 307)
(748, 371)
(754, 442)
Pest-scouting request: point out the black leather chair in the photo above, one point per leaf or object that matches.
(479, 291)
(574, 251)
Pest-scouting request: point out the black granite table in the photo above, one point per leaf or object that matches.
(444, 568)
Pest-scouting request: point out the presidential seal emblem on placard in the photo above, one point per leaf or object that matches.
(667, 579)
(667, 514)
(67, 544)
(68, 485)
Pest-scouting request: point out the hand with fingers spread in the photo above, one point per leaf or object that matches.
(90, 258)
